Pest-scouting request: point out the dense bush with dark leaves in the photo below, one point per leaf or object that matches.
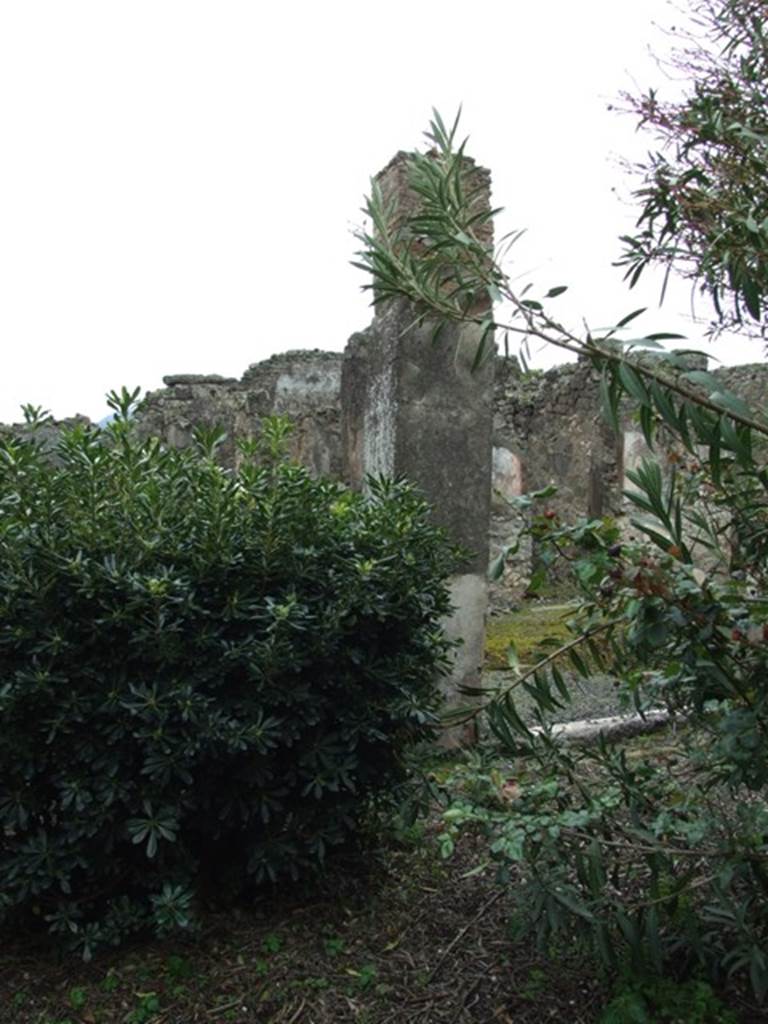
(205, 676)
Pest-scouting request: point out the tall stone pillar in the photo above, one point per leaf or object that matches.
(414, 407)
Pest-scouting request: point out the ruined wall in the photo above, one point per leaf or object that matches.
(552, 422)
(547, 428)
(302, 385)
(46, 432)
(749, 381)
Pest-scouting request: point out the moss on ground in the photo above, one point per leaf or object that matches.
(529, 629)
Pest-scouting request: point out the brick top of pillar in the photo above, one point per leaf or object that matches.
(394, 184)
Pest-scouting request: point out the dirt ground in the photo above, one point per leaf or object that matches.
(407, 938)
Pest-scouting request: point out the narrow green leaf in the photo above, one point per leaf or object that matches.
(609, 401)
(715, 461)
(512, 658)
(437, 331)
(751, 296)
(578, 663)
(484, 346)
(648, 343)
(703, 378)
(632, 384)
(731, 402)
(561, 685)
(630, 317)
(664, 403)
(574, 905)
(658, 539)
(496, 570)
(647, 424)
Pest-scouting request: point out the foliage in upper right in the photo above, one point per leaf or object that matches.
(704, 192)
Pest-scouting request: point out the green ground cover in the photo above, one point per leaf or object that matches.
(527, 628)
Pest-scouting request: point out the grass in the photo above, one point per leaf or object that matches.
(527, 629)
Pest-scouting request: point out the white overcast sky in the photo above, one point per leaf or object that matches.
(179, 179)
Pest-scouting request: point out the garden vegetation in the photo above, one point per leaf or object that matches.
(206, 677)
(659, 864)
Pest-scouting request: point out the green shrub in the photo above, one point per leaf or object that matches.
(662, 863)
(653, 858)
(205, 676)
(665, 999)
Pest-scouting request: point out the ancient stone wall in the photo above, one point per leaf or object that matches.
(552, 423)
(547, 429)
(46, 432)
(303, 385)
(749, 381)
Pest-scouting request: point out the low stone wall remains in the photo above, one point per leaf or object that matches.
(547, 429)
